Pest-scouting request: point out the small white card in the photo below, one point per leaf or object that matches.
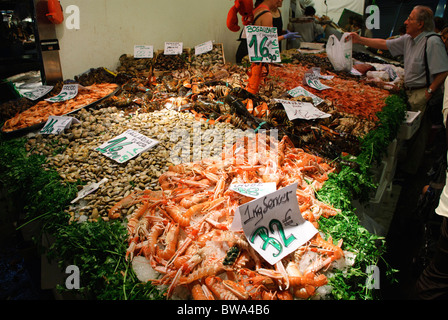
(300, 91)
(69, 91)
(142, 51)
(254, 190)
(312, 80)
(36, 93)
(203, 48)
(57, 124)
(302, 110)
(173, 48)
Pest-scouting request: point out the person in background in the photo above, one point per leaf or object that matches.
(439, 24)
(444, 37)
(419, 91)
(275, 20)
(263, 17)
(307, 27)
(359, 27)
(433, 282)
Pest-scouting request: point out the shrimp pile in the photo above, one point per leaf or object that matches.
(40, 112)
(347, 96)
(184, 230)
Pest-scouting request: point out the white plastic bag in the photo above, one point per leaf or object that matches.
(340, 52)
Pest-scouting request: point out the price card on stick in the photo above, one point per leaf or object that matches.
(262, 44)
(173, 48)
(36, 93)
(69, 91)
(203, 48)
(143, 51)
(273, 224)
(302, 110)
(126, 146)
(57, 124)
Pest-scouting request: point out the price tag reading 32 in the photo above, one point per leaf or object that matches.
(262, 44)
(273, 224)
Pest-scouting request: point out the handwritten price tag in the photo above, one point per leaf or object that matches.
(300, 91)
(173, 48)
(254, 190)
(273, 224)
(203, 48)
(143, 52)
(57, 124)
(36, 93)
(126, 146)
(312, 79)
(262, 44)
(69, 91)
(302, 110)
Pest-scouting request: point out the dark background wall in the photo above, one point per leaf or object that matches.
(393, 13)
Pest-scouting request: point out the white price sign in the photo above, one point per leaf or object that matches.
(173, 48)
(143, 52)
(312, 79)
(69, 91)
(203, 48)
(254, 190)
(57, 124)
(302, 110)
(273, 224)
(126, 146)
(36, 93)
(262, 44)
(300, 91)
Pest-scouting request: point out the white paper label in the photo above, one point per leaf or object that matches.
(143, 51)
(273, 224)
(36, 93)
(88, 189)
(262, 44)
(254, 190)
(312, 80)
(69, 91)
(302, 110)
(300, 91)
(126, 146)
(203, 48)
(57, 124)
(173, 48)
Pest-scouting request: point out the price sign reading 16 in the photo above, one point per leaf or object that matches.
(265, 47)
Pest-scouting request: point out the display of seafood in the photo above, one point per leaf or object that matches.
(215, 56)
(98, 75)
(184, 230)
(164, 62)
(134, 66)
(40, 112)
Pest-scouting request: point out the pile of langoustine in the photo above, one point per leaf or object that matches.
(184, 230)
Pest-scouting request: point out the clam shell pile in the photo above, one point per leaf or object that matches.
(215, 56)
(77, 160)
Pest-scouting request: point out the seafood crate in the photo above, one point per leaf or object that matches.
(209, 58)
(164, 64)
(410, 125)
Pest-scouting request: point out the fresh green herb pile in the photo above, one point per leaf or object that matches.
(98, 248)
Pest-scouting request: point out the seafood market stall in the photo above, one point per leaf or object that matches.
(145, 186)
